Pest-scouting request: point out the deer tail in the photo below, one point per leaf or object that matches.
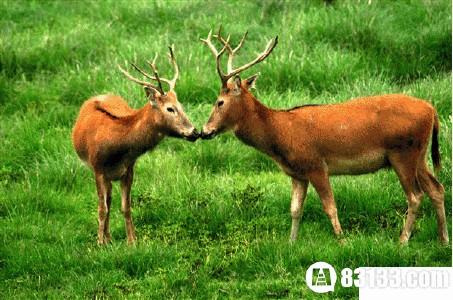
(435, 155)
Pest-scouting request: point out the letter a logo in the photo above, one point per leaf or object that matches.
(321, 277)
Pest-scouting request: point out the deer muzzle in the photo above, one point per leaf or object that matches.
(193, 136)
(207, 134)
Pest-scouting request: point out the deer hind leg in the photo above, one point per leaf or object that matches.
(297, 205)
(320, 181)
(405, 167)
(126, 184)
(104, 190)
(435, 191)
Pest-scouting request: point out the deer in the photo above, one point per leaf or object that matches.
(109, 137)
(310, 143)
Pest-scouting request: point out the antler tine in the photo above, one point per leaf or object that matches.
(159, 88)
(230, 50)
(207, 41)
(219, 70)
(219, 30)
(225, 47)
(129, 76)
(225, 43)
(217, 54)
(269, 47)
(156, 74)
(242, 42)
(172, 82)
(232, 72)
(142, 72)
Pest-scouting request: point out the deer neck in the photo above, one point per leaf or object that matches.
(143, 133)
(253, 127)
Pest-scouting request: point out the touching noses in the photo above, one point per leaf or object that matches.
(206, 133)
(193, 136)
(189, 132)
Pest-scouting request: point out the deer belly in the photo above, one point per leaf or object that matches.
(117, 164)
(357, 164)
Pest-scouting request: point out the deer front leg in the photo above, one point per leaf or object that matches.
(320, 181)
(104, 190)
(107, 237)
(126, 184)
(297, 206)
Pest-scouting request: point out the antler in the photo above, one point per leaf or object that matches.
(230, 51)
(129, 76)
(171, 83)
(232, 72)
(217, 55)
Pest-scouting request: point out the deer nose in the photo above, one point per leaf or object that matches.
(204, 135)
(194, 135)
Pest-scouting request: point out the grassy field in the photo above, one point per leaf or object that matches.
(212, 217)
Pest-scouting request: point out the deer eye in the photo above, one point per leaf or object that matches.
(220, 103)
(169, 109)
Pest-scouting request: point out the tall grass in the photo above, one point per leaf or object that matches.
(212, 218)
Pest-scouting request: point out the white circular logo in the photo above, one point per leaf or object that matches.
(321, 277)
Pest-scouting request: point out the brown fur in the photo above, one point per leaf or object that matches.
(311, 143)
(355, 137)
(109, 136)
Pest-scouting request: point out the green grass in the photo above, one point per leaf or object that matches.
(212, 218)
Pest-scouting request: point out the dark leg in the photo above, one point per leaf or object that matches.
(104, 195)
(320, 182)
(126, 184)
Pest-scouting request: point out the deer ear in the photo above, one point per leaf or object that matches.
(237, 85)
(152, 95)
(249, 83)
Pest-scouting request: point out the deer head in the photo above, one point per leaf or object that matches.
(234, 92)
(170, 115)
